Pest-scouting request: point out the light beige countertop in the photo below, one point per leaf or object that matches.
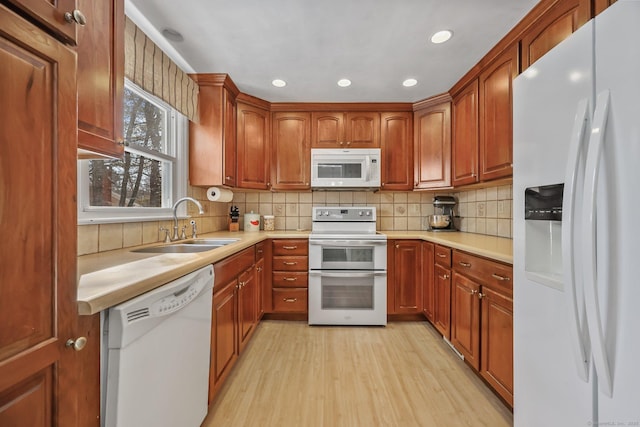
(109, 278)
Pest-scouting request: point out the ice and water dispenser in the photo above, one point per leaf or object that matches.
(543, 234)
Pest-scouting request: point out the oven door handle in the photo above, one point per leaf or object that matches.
(348, 274)
(347, 242)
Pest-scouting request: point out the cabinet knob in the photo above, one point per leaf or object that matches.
(77, 344)
(481, 295)
(228, 178)
(341, 143)
(397, 246)
(348, 142)
(75, 17)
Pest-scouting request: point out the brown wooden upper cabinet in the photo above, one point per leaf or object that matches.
(465, 135)
(432, 145)
(212, 140)
(555, 25)
(495, 114)
(51, 14)
(396, 151)
(253, 147)
(101, 58)
(345, 130)
(291, 151)
(600, 5)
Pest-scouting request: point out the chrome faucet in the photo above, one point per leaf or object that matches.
(175, 214)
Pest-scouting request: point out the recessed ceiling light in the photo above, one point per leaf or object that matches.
(173, 35)
(409, 82)
(279, 83)
(344, 82)
(441, 36)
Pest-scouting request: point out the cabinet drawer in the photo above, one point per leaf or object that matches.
(486, 271)
(290, 263)
(296, 279)
(290, 300)
(443, 256)
(291, 247)
(230, 267)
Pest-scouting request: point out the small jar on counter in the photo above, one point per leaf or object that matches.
(269, 222)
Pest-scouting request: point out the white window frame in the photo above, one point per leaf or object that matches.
(178, 134)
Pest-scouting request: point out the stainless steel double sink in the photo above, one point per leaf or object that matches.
(187, 246)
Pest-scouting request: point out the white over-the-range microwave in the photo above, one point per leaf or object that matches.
(341, 169)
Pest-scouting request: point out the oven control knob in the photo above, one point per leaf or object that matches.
(360, 213)
(326, 213)
(368, 213)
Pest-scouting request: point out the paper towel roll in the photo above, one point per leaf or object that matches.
(217, 194)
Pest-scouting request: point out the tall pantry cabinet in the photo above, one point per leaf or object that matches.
(38, 147)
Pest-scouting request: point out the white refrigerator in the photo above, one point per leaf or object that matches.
(577, 246)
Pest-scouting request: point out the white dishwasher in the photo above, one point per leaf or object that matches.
(158, 345)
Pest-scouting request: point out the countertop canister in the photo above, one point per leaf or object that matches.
(251, 222)
(269, 222)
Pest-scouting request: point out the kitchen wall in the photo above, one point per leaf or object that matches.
(484, 211)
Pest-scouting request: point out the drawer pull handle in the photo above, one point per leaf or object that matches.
(289, 299)
(465, 264)
(290, 247)
(445, 277)
(289, 263)
(439, 255)
(499, 277)
(290, 279)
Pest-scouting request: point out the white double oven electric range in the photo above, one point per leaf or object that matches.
(347, 267)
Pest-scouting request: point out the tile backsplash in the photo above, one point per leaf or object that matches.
(484, 211)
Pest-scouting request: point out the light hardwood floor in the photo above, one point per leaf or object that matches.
(402, 375)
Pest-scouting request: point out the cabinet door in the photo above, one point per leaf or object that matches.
(496, 121)
(465, 136)
(497, 342)
(396, 149)
(432, 146)
(101, 58)
(246, 306)
(51, 15)
(555, 25)
(38, 217)
(465, 319)
(327, 130)
(362, 130)
(442, 314)
(229, 152)
(291, 152)
(212, 140)
(224, 335)
(428, 285)
(407, 285)
(253, 147)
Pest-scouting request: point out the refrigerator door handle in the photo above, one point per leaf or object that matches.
(577, 331)
(594, 317)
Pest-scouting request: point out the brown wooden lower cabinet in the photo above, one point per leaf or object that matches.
(465, 314)
(497, 342)
(224, 335)
(442, 309)
(482, 319)
(290, 264)
(404, 275)
(233, 318)
(428, 286)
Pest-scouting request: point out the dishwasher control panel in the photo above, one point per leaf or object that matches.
(175, 301)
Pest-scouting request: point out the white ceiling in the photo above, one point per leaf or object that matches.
(311, 44)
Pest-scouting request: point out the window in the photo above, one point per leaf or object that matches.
(151, 174)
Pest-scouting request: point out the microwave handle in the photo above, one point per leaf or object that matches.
(368, 168)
